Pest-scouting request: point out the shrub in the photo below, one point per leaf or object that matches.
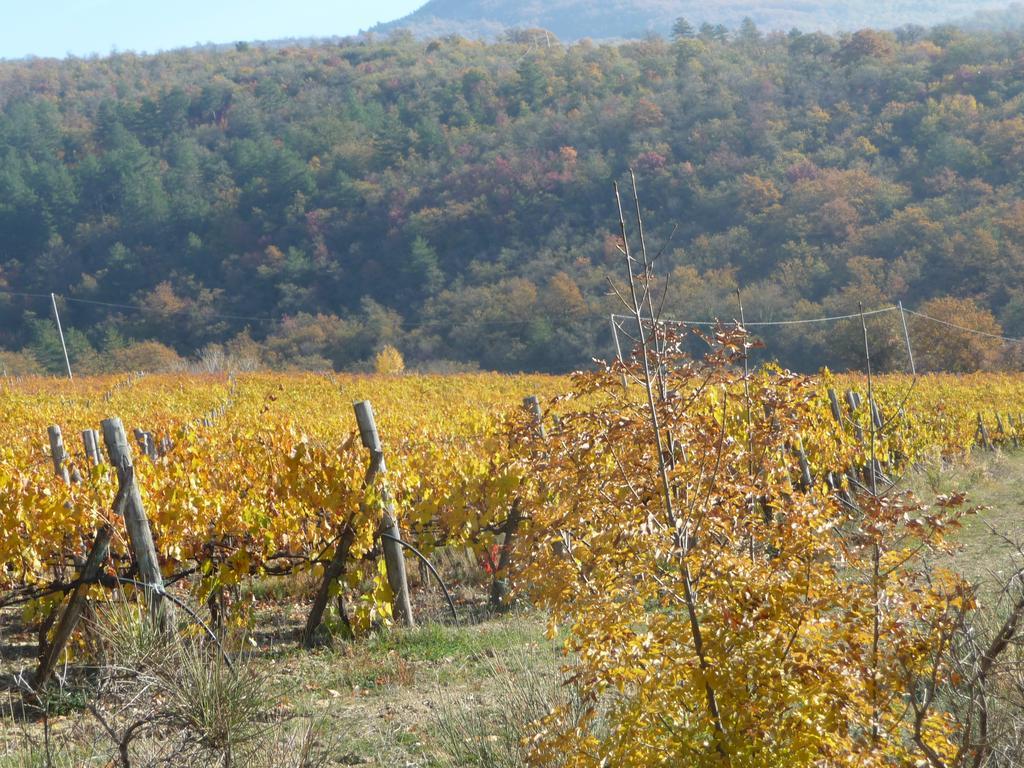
(389, 361)
(149, 356)
(19, 364)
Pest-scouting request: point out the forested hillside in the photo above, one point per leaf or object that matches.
(624, 19)
(308, 206)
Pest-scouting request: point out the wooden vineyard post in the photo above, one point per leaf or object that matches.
(499, 584)
(1000, 429)
(833, 401)
(78, 603)
(91, 442)
(983, 432)
(806, 479)
(835, 478)
(853, 401)
(147, 446)
(332, 572)
(876, 416)
(75, 607)
(58, 453)
(137, 524)
(532, 404)
(394, 556)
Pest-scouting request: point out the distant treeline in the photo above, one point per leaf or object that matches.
(307, 206)
(634, 19)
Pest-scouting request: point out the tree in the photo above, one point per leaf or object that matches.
(563, 299)
(149, 356)
(422, 272)
(939, 345)
(47, 349)
(19, 364)
(388, 361)
(867, 43)
(683, 29)
(314, 342)
(748, 32)
(717, 32)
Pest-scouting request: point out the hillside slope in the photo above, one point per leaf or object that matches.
(611, 19)
(454, 198)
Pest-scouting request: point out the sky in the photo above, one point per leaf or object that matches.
(83, 27)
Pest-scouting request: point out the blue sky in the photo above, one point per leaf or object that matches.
(83, 27)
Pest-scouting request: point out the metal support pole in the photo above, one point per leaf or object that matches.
(60, 331)
(618, 351)
(906, 335)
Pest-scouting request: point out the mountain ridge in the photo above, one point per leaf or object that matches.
(630, 19)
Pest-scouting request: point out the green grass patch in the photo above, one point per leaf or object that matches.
(993, 482)
(435, 642)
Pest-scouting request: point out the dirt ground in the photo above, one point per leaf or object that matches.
(407, 697)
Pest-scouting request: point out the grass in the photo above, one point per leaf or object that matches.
(411, 697)
(385, 696)
(994, 483)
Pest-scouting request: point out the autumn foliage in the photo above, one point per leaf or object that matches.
(949, 348)
(744, 620)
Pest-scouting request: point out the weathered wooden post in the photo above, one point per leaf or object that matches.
(91, 442)
(332, 572)
(137, 524)
(983, 431)
(532, 404)
(146, 445)
(499, 584)
(50, 652)
(391, 534)
(806, 479)
(837, 411)
(835, 478)
(876, 416)
(58, 453)
(853, 401)
(73, 613)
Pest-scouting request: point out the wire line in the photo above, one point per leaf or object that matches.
(406, 326)
(777, 322)
(25, 295)
(964, 328)
(140, 308)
